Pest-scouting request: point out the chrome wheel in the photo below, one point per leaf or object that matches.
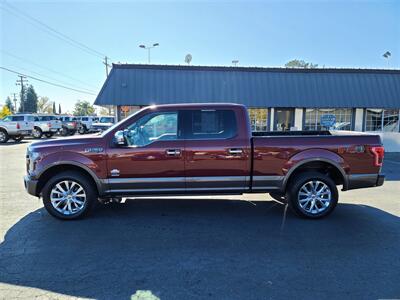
(36, 133)
(68, 197)
(314, 197)
(2, 137)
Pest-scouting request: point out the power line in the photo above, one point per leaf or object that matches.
(55, 80)
(45, 81)
(43, 67)
(52, 31)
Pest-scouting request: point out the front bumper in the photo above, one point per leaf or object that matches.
(30, 185)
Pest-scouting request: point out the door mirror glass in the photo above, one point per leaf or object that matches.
(119, 138)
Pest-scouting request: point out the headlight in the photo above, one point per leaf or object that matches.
(34, 156)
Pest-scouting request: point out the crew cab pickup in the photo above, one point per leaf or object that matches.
(47, 125)
(194, 149)
(15, 127)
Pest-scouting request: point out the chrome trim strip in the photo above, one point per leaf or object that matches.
(178, 179)
(267, 178)
(173, 190)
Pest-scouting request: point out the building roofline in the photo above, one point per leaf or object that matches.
(254, 69)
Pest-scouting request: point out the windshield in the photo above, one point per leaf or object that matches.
(106, 120)
(105, 132)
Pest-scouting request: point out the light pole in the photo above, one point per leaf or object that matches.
(235, 62)
(148, 48)
(387, 55)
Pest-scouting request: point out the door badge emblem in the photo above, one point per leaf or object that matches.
(114, 172)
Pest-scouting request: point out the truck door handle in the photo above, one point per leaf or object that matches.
(173, 152)
(235, 151)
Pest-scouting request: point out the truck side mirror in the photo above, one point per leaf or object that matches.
(119, 138)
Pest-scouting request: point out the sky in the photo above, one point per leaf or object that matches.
(340, 34)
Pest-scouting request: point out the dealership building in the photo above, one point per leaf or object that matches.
(364, 100)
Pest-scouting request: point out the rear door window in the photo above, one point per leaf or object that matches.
(17, 118)
(212, 124)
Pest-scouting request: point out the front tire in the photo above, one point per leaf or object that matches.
(82, 130)
(49, 134)
(312, 195)
(69, 195)
(37, 133)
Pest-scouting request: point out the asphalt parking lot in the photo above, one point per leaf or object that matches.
(201, 247)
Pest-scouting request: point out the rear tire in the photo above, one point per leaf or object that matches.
(312, 195)
(78, 197)
(64, 131)
(37, 133)
(49, 134)
(4, 137)
(82, 130)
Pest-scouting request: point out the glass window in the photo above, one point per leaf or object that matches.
(7, 119)
(30, 118)
(17, 118)
(154, 127)
(106, 120)
(344, 118)
(85, 119)
(213, 124)
(382, 120)
(258, 119)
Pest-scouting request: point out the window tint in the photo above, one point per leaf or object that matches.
(7, 119)
(161, 126)
(84, 119)
(30, 118)
(106, 120)
(213, 124)
(17, 118)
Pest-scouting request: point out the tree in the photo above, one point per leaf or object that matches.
(5, 111)
(54, 108)
(295, 63)
(31, 100)
(44, 105)
(9, 104)
(59, 108)
(83, 108)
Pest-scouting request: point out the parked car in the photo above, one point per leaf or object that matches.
(15, 127)
(103, 123)
(69, 125)
(200, 149)
(85, 123)
(45, 124)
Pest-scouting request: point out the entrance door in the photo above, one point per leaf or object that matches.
(152, 162)
(283, 119)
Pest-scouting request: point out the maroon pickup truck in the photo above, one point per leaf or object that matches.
(194, 149)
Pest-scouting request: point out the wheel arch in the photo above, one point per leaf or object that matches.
(318, 164)
(61, 166)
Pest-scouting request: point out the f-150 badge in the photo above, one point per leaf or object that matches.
(94, 150)
(114, 172)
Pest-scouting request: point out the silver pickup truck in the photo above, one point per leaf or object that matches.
(16, 127)
(47, 125)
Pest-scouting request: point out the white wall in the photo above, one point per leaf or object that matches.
(391, 140)
(358, 121)
(298, 118)
(271, 122)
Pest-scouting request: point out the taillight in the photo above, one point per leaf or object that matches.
(379, 153)
(18, 126)
(73, 124)
(49, 124)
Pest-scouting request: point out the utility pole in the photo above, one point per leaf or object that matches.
(15, 102)
(22, 79)
(105, 62)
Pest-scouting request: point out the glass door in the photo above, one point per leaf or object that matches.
(283, 119)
